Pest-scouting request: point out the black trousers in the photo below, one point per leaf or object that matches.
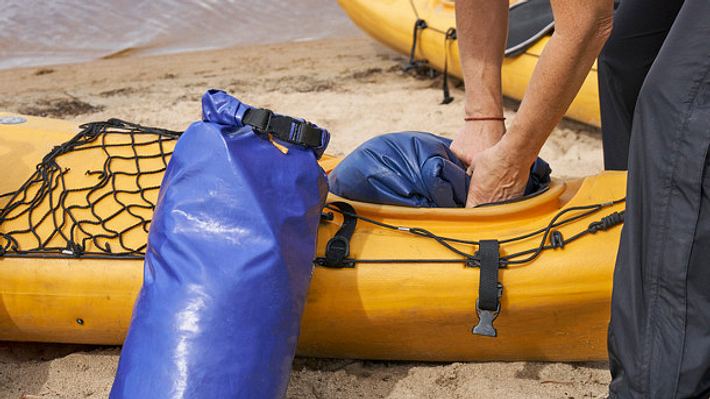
(655, 93)
(640, 28)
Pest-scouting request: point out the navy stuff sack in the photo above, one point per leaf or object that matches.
(412, 169)
(229, 259)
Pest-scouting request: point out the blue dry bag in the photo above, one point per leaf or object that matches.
(412, 169)
(229, 258)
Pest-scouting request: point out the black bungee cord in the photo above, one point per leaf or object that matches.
(518, 258)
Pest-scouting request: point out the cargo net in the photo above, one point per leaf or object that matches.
(92, 196)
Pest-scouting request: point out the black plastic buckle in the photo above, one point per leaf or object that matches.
(261, 119)
(487, 317)
(309, 134)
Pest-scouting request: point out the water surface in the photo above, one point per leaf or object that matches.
(34, 32)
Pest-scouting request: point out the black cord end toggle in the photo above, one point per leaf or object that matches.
(607, 222)
(557, 240)
(448, 99)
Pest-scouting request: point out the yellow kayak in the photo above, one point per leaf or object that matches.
(391, 22)
(406, 296)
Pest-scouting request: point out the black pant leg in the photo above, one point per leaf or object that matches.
(640, 27)
(694, 378)
(659, 339)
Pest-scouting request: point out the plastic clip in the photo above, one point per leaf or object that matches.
(336, 251)
(557, 240)
(73, 249)
(261, 121)
(486, 318)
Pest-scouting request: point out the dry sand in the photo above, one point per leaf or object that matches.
(354, 87)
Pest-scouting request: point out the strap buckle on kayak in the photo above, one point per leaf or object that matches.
(489, 289)
(487, 317)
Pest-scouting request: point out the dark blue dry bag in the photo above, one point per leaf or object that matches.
(412, 169)
(229, 258)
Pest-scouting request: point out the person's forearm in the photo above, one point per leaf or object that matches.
(581, 29)
(482, 29)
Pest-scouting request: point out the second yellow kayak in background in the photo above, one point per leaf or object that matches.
(392, 22)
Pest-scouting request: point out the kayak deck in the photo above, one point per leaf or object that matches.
(555, 307)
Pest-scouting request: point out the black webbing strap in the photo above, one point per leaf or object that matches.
(450, 36)
(419, 25)
(338, 248)
(283, 127)
(489, 290)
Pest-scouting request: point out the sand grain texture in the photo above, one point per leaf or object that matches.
(354, 87)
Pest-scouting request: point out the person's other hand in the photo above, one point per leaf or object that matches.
(475, 137)
(497, 174)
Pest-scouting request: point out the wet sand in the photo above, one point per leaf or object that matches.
(354, 87)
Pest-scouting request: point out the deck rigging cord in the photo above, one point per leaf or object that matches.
(50, 216)
(486, 255)
(551, 238)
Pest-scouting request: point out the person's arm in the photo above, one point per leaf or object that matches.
(482, 30)
(581, 29)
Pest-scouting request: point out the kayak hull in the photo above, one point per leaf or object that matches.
(553, 308)
(391, 22)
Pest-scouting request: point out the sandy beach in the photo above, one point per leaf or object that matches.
(356, 88)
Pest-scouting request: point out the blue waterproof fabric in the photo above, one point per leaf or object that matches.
(412, 169)
(228, 265)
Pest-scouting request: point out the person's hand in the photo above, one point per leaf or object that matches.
(498, 174)
(475, 137)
